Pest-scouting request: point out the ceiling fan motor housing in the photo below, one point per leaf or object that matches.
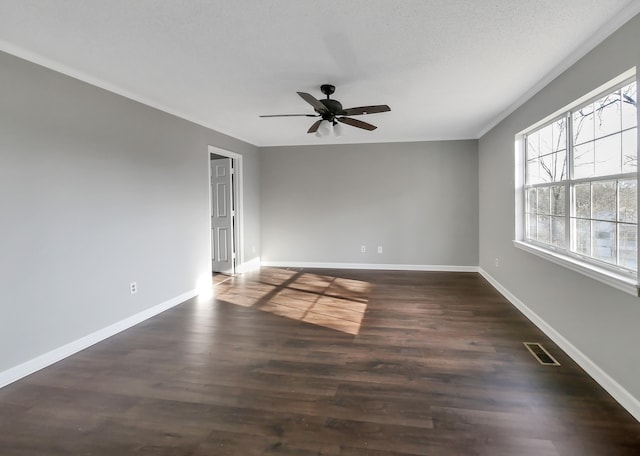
(333, 106)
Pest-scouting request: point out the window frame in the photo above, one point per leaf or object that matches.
(619, 277)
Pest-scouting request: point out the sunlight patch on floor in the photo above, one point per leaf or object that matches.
(322, 300)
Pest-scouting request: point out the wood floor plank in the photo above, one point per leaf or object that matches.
(320, 362)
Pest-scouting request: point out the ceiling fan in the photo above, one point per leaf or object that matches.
(332, 112)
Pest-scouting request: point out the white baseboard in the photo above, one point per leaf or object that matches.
(619, 393)
(370, 266)
(29, 367)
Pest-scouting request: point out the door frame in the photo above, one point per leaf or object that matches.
(238, 229)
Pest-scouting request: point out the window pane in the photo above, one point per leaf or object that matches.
(629, 151)
(531, 200)
(583, 125)
(546, 140)
(543, 228)
(533, 172)
(546, 173)
(552, 167)
(532, 145)
(543, 200)
(608, 155)
(629, 103)
(582, 200)
(557, 200)
(559, 132)
(628, 246)
(581, 236)
(557, 231)
(604, 241)
(604, 200)
(608, 117)
(628, 201)
(532, 226)
(583, 161)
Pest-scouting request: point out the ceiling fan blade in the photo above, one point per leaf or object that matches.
(314, 127)
(313, 102)
(289, 115)
(365, 110)
(356, 123)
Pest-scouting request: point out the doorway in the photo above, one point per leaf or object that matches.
(225, 173)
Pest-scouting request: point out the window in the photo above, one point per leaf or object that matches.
(580, 182)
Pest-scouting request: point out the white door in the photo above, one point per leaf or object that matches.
(222, 216)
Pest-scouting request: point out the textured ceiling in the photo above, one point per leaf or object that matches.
(449, 69)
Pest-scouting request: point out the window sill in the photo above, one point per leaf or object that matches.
(611, 278)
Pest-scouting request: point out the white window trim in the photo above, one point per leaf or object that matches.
(619, 280)
(606, 276)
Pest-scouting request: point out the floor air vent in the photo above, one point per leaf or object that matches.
(541, 354)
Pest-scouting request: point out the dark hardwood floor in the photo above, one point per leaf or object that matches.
(311, 362)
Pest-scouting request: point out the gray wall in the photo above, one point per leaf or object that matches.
(419, 201)
(97, 191)
(601, 322)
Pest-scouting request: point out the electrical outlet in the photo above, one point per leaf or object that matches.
(363, 249)
(497, 262)
(379, 249)
(133, 287)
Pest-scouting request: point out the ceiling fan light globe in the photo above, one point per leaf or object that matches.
(324, 129)
(338, 130)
